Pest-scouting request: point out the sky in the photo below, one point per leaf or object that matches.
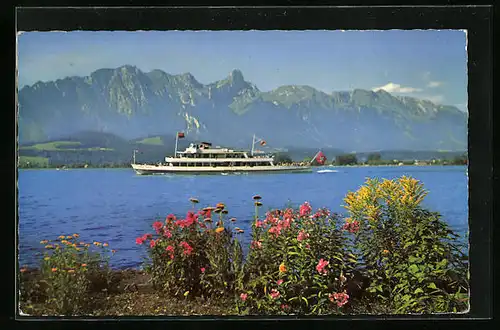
(429, 64)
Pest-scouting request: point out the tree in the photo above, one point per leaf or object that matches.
(282, 157)
(347, 159)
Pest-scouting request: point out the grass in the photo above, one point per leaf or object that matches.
(62, 146)
(156, 140)
(34, 161)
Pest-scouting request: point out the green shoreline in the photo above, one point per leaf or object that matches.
(329, 166)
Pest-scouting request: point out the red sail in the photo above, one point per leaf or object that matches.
(321, 158)
(180, 135)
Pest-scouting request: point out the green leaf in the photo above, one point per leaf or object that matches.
(307, 302)
(432, 285)
(418, 290)
(413, 268)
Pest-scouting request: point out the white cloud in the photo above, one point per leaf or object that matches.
(433, 84)
(397, 88)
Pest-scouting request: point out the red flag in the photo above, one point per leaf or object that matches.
(262, 143)
(321, 158)
(180, 135)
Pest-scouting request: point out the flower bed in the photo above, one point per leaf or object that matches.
(389, 255)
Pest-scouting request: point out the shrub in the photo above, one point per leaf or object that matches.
(348, 159)
(411, 257)
(296, 264)
(67, 270)
(195, 256)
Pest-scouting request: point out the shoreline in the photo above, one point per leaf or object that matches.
(324, 166)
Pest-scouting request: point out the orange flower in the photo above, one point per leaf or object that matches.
(62, 237)
(282, 268)
(113, 251)
(220, 229)
(76, 235)
(44, 241)
(54, 270)
(105, 244)
(84, 265)
(385, 251)
(220, 205)
(69, 237)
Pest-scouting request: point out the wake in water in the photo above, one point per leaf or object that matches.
(327, 171)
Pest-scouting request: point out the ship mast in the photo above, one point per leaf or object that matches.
(134, 156)
(176, 140)
(253, 144)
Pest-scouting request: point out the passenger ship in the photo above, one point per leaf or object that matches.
(202, 158)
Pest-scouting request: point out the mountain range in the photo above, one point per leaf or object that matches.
(130, 103)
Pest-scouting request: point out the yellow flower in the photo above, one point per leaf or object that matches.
(62, 237)
(69, 237)
(220, 229)
(71, 270)
(49, 246)
(44, 241)
(46, 258)
(76, 235)
(282, 268)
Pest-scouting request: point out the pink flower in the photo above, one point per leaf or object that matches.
(256, 245)
(305, 209)
(274, 294)
(283, 306)
(352, 227)
(279, 282)
(170, 218)
(139, 240)
(258, 223)
(157, 225)
(202, 269)
(275, 230)
(320, 267)
(167, 234)
(170, 250)
(340, 298)
(308, 246)
(187, 248)
(152, 243)
(302, 235)
(243, 296)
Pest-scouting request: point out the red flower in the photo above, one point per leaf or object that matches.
(147, 236)
(139, 240)
(157, 225)
(152, 243)
(340, 298)
(308, 246)
(187, 248)
(167, 234)
(320, 267)
(274, 294)
(256, 245)
(243, 296)
(279, 282)
(170, 218)
(305, 209)
(170, 250)
(275, 230)
(351, 226)
(202, 269)
(302, 235)
(258, 223)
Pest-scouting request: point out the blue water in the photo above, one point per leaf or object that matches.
(116, 205)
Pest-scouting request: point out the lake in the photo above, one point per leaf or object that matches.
(116, 205)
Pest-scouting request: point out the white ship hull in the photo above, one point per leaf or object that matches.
(144, 169)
